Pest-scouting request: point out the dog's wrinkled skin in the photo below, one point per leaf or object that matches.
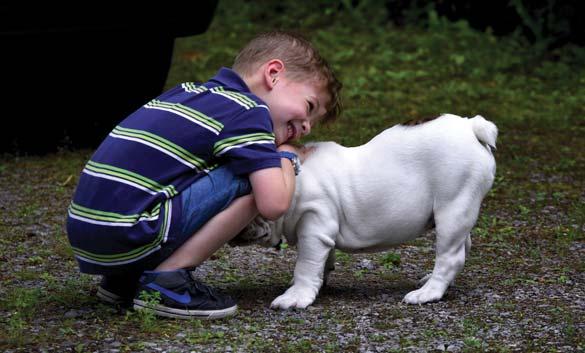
(384, 193)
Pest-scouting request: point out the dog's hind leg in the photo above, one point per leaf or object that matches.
(454, 223)
(426, 277)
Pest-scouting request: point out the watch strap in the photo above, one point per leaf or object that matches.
(294, 160)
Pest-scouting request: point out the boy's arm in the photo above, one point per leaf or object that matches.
(273, 188)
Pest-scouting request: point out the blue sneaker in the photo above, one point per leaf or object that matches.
(181, 296)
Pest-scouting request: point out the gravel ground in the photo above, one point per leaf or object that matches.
(517, 306)
(522, 288)
(361, 309)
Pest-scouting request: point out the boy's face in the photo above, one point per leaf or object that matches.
(295, 106)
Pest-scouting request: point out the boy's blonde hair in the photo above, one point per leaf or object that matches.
(301, 59)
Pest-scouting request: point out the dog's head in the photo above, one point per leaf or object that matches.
(260, 232)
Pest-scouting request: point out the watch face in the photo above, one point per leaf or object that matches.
(297, 165)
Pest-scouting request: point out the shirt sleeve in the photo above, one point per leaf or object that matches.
(247, 143)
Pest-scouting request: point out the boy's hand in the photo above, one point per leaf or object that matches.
(298, 149)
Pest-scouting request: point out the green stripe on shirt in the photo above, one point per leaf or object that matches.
(111, 217)
(224, 145)
(187, 112)
(106, 259)
(167, 146)
(131, 177)
(193, 88)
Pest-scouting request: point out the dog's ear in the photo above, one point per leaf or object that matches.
(306, 151)
(254, 232)
(243, 238)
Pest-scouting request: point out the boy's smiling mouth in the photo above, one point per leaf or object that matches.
(291, 131)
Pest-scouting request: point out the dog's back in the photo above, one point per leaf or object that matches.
(395, 182)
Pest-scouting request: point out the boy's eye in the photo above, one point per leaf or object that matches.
(310, 106)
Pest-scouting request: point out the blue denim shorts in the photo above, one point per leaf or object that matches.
(201, 201)
(209, 196)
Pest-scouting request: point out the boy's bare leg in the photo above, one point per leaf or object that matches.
(213, 235)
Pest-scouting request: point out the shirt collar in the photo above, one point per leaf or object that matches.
(229, 78)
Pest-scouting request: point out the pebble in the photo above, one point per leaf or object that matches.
(367, 264)
(71, 314)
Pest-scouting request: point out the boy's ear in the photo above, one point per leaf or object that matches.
(272, 71)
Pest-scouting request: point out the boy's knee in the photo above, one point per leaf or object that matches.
(224, 180)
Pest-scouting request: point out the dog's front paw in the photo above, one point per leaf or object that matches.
(294, 297)
(432, 291)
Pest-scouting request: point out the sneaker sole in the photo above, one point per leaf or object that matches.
(185, 314)
(112, 298)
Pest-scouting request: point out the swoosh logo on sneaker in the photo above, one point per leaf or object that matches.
(184, 298)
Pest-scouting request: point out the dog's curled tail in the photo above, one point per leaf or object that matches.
(485, 131)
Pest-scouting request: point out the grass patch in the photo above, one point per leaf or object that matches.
(529, 222)
(390, 260)
(342, 257)
(21, 305)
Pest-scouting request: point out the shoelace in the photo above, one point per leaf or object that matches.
(198, 286)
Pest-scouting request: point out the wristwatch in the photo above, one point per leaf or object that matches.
(293, 158)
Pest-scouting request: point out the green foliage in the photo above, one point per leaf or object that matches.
(546, 21)
(302, 345)
(146, 316)
(202, 336)
(22, 304)
(394, 75)
(23, 301)
(71, 291)
(342, 258)
(391, 260)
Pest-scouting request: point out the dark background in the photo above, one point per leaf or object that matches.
(70, 73)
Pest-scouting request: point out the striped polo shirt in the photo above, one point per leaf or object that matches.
(126, 205)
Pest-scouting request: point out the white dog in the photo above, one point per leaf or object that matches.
(384, 193)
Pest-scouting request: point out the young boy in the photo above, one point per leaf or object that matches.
(182, 175)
